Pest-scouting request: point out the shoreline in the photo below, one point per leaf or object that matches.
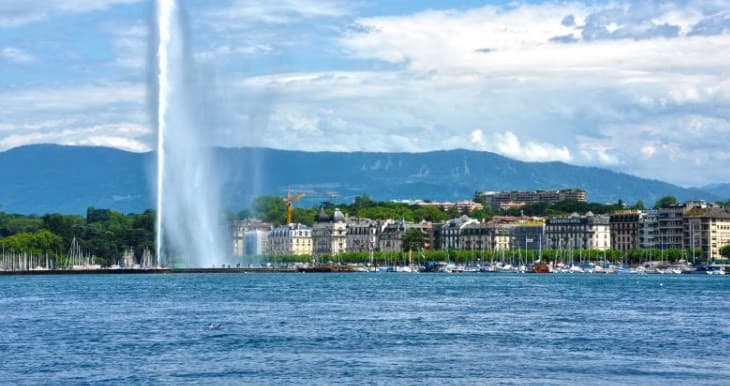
(143, 271)
(320, 269)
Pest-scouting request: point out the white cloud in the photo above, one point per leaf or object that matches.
(225, 50)
(685, 148)
(477, 138)
(508, 144)
(648, 150)
(14, 13)
(252, 28)
(32, 102)
(130, 43)
(596, 152)
(109, 114)
(16, 55)
(122, 136)
(519, 43)
(240, 12)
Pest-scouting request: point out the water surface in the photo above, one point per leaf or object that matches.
(364, 328)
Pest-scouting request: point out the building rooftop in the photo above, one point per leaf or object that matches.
(721, 213)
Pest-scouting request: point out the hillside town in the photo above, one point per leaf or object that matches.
(700, 229)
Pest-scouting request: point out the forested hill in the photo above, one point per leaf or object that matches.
(51, 178)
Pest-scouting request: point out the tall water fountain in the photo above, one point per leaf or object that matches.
(189, 230)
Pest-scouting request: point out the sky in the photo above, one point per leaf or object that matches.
(638, 87)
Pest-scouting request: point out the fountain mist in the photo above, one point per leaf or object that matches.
(188, 225)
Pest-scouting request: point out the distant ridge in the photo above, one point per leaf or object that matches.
(721, 190)
(66, 179)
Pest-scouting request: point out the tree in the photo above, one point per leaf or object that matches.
(725, 251)
(304, 215)
(243, 214)
(412, 239)
(639, 205)
(11, 224)
(723, 204)
(429, 213)
(37, 243)
(62, 225)
(666, 202)
(453, 212)
(270, 208)
(234, 216)
(361, 202)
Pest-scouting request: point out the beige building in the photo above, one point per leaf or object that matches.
(329, 234)
(709, 229)
(291, 239)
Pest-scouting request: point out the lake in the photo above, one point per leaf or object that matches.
(381, 328)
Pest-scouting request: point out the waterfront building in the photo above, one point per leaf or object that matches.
(483, 236)
(670, 224)
(670, 227)
(362, 235)
(452, 233)
(474, 236)
(506, 200)
(528, 234)
(329, 234)
(436, 231)
(709, 229)
(625, 230)
(502, 239)
(578, 232)
(390, 236)
(499, 233)
(503, 231)
(648, 229)
(427, 228)
(290, 239)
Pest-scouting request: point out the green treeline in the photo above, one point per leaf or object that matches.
(273, 209)
(103, 233)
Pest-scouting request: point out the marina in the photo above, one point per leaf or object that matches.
(655, 268)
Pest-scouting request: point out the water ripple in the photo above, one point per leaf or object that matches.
(364, 328)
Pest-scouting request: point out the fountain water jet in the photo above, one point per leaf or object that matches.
(188, 203)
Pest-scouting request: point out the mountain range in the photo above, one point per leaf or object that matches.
(66, 179)
(721, 190)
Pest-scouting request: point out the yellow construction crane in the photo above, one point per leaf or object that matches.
(291, 199)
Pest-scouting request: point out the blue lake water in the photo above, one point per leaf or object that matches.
(365, 328)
